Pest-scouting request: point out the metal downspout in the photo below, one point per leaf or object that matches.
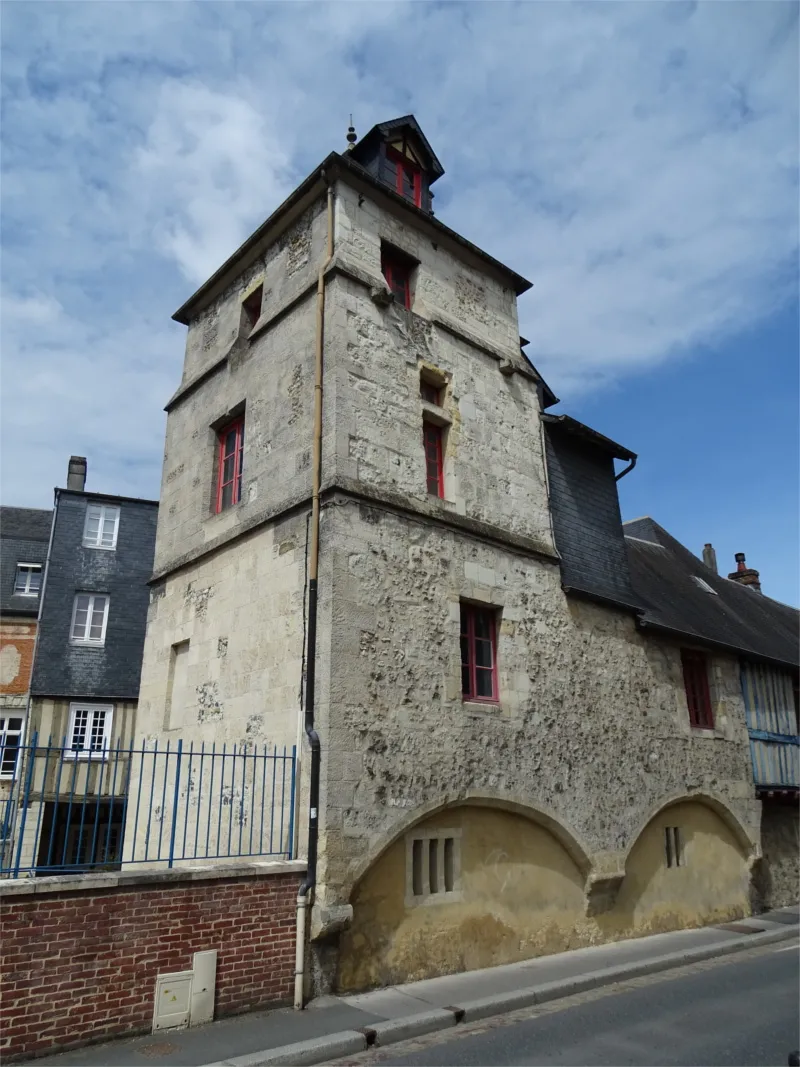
(305, 891)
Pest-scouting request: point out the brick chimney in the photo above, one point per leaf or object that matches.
(76, 473)
(710, 558)
(745, 575)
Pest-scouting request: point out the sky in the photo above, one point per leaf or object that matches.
(637, 161)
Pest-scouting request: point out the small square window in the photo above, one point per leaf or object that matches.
(89, 619)
(397, 271)
(430, 393)
(229, 466)
(251, 308)
(89, 735)
(10, 742)
(101, 527)
(479, 654)
(28, 579)
(433, 443)
(673, 846)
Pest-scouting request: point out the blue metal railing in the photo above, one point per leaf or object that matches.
(69, 810)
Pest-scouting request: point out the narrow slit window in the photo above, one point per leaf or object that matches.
(251, 308)
(416, 868)
(433, 443)
(449, 868)
(673, 846)
(430, 393)
(231, 457)
(433, 865)
(397, 272)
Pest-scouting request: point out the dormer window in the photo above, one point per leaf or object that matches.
(409, 174)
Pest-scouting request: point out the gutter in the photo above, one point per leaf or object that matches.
(305, 892)
(698, 639)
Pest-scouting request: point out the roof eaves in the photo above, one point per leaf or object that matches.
(590, 436)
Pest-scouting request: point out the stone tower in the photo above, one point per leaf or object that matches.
(355, 555)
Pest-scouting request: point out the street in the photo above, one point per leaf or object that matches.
(739, 1011)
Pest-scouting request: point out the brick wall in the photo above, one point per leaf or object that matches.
(80, 966)
(17, 638)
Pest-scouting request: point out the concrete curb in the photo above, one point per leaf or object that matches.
(346, 1042)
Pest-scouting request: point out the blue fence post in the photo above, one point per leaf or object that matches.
(26, 800)
(290, 849)
(175, 802)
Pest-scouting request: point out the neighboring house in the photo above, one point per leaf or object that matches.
(24, 534)
(85, 681)
(405, 578)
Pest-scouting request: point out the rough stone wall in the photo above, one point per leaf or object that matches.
(779, 881)
(592, 727)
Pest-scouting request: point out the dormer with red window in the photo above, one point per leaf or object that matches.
(397, 153)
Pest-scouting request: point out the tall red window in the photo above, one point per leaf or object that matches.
(695, 680)
(434, 463)
(397, 273)
(478, 654)
(229, 476)
(409, 177)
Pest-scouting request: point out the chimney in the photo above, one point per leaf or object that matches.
(745, 575)
(76, 473)
(710, 558)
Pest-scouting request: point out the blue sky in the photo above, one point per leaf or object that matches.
(639, 162)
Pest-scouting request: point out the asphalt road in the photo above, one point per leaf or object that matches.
(736, 1011)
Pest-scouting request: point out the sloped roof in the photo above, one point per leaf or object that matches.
(384, 129)
(662, 572)
(24, 536)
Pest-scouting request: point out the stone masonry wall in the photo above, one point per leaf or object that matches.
(591, 730)
(780, 837)
(80, 966)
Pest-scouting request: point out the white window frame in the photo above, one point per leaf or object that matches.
(106, 511)
(9, 776)
(92, 709)
(32, 568)
(88, 640)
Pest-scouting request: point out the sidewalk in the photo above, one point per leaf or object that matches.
(339, 1026)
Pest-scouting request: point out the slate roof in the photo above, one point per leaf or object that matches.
(24, 536)
(738, 618)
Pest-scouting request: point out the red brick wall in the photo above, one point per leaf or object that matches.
(80, 967)
(20, 637)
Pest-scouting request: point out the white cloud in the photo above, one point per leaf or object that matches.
(637, 161)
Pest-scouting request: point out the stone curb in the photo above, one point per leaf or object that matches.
(346, 1042)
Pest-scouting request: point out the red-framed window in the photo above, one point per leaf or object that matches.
(409, 177)
(433, 443)
(430, 393)
(229, 474)
(478, 654)
(397, 273)
(695, 680)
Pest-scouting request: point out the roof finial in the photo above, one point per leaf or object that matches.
(351, 135)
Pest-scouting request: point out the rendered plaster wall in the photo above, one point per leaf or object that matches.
(592, 727)
(521, 895)
(17, 639)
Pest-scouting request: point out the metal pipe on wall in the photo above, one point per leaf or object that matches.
(306, 889)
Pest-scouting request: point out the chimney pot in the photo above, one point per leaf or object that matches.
(710, 558)
(745, 575)
(76, 473)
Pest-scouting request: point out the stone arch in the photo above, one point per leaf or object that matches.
(709, 800)
(545, 817)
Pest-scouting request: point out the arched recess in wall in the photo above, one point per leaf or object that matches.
(687, 866)
(544, 817)
(709, 800)
(461, 884)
